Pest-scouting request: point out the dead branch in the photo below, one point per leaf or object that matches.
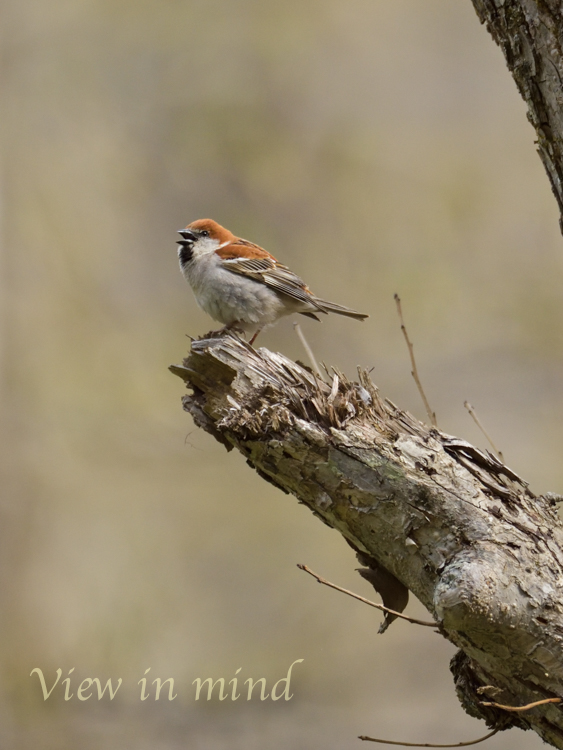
(414, 371)
(521, 708)
(451, 522)
(427, 744)
(477, 421)
(381, 607)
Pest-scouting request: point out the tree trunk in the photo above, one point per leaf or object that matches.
(450, 522)
(530, 34)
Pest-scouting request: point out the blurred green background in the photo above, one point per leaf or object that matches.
(373, 146)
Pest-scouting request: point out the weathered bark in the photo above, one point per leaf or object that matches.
(462, 531)
(530, 34)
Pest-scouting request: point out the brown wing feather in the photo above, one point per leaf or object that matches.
(264, 268)
(247, 259)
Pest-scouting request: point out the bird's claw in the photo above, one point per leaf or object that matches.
(228, 329)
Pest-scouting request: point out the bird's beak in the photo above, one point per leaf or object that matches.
(187, 234)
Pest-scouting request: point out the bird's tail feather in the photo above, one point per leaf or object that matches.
(325, 306)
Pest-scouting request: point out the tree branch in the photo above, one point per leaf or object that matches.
(462, 531)
(530, 34)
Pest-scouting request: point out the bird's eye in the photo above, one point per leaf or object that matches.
(205, 233)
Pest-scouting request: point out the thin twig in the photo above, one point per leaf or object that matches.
(322, 580)
(428, 744)
(307, 348)
(527, 707)
(471, 410)
(414, 372)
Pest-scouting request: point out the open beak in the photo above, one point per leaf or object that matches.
(188, 235)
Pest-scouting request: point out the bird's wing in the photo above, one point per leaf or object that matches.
(268, 271)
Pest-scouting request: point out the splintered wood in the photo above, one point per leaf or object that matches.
(462, 531)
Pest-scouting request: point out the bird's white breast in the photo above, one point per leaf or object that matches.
(229, 297)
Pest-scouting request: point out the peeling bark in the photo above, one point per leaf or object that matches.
(451, 523)
(530, 34)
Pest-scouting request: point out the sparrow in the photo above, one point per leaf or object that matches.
(241, 285)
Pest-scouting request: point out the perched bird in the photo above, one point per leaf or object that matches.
(240, 284)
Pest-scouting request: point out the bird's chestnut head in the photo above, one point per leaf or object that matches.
(201, 237)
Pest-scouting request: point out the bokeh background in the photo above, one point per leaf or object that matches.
(375, 147)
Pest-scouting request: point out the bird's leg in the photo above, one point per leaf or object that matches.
(253, 339)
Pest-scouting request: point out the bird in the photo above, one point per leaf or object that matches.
(241, 285)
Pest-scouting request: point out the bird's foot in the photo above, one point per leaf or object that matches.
(230, 328)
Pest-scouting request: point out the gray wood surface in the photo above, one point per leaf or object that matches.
(450, 522)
